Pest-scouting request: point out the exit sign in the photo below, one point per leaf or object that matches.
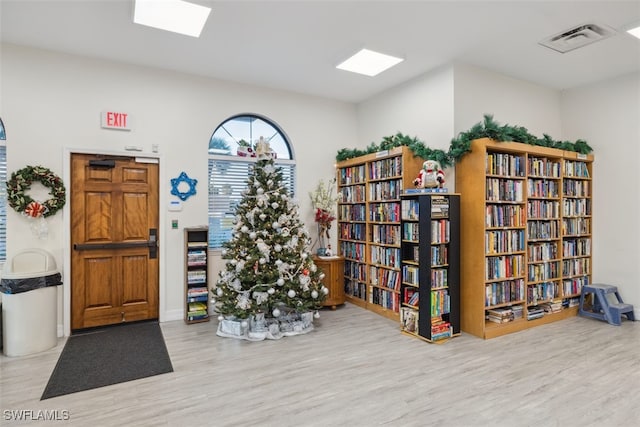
(115, 120)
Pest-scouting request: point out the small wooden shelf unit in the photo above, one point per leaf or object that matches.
(196, 302)
(525, 235)
(333, 269)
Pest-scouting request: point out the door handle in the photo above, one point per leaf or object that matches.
(152, 244)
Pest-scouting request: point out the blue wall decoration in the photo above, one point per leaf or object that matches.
(175, 183)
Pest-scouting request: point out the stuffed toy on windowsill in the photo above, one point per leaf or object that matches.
(430, 176)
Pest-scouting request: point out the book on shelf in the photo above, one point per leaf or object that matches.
(439, 207)
(197, 306)
(197, 291)
(500, 315)
(409, 319)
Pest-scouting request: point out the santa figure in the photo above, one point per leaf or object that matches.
(430, 176)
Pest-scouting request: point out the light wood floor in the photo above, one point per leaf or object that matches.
(356, 369)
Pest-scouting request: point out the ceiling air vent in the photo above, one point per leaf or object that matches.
(577, 37)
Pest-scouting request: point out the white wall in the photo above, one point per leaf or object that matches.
(422, 108)
(514, 102)
(51, 104)
(607, 116)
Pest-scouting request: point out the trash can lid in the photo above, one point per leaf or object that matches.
(27, 263)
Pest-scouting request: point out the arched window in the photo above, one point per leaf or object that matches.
(3, 193)
(230, 163)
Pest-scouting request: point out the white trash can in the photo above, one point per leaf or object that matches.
(29, 286)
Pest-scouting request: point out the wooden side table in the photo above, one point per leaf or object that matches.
(333, 269)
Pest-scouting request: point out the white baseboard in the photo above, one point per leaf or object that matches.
(171, 315)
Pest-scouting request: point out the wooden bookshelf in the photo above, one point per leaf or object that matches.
(525, 235)
(196, 302)
(430, 289)
(369, 189)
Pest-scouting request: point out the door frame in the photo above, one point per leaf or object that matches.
(163, 200)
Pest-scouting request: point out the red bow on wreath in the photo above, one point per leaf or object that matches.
(34, 210)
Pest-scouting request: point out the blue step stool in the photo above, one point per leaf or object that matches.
(603, 309)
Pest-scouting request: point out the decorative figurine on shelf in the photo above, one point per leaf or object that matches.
(430, 176)
(245, 149)
(263, 150)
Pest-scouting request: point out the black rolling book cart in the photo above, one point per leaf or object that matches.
(430, 290)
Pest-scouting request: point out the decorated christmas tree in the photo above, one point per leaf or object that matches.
(269, 274)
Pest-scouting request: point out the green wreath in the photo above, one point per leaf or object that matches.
(20, 183)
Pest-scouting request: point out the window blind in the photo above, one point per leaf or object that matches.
(227, 180)
(3, 203)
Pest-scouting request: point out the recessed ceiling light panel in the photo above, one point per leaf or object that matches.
(634, 32)
(171, 15)
(369, 63)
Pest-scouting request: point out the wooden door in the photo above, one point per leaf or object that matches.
(114, 252)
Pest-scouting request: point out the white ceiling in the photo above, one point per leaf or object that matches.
(295, 45)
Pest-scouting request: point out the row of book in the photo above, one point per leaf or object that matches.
(543, 167)
(355, 270)
(542, 188)
(574, 286)
(576, 226)
(385, 277)
(576, 188)
(410, 231)
(543, 209)
(386, 168)
(545, 251)
(384, 212)
(440, 231)
(351, 175)
(504, 292)
(352, 213)
(576, 207)
(542, 292)
(196, 258)
(355, 289)
(503, 241)
(196, 276)
(504, 314)
(440, 302)
(576, 169)
(352, 194)
(386, 234)
(575, 267)
(352, 250)
(197, 310)
(385, 190)
(439, 255)
(197, 294)
(504, 164)
(352, 231)
(505, 266)
(410, 210)
(504, 216)
(504, 190)
(440, 328)
(542, 229)
(387, 299)
(385, 256)
(411, 296)
(544, 271)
